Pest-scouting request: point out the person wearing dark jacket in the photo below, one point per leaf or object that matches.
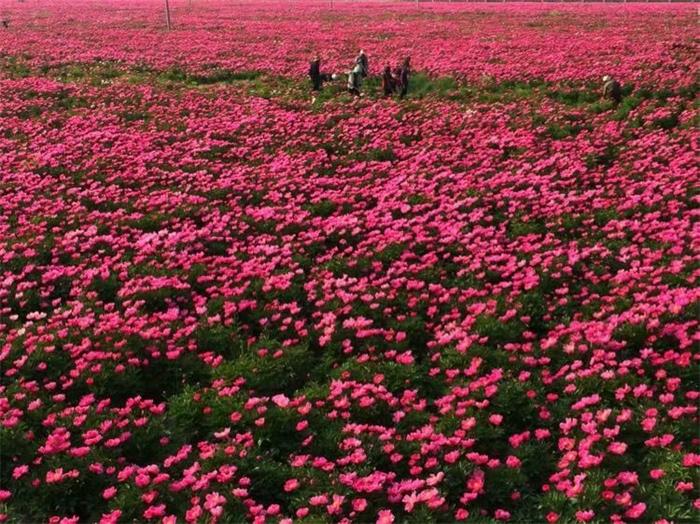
(388, 83)
(315, 74)
(396, 73)
(404, 74)
(612, 90)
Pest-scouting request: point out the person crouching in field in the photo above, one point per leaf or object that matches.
(612, 90)
(315, 74)
(388, 82)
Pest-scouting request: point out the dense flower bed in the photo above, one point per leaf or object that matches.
(559, 43)
(221, 307)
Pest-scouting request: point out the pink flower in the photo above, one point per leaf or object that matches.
(405, 358)
(617, 448)
(55, 475)
(291, 485)
(691, 460)
(319, 500)
(656, 474)
(142, 480)
(496, 419)
(335, 507)
(385, 516)
(109, 492)
(193, 514)
(359, 505)
(111, 518)
(153, 512)
(280, 400)
(213, 503)
(585, 515)
(19, 471)
(502, 514)
(628, 477)
(636, 511)
(513, 461)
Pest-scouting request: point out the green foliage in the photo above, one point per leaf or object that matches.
(561, 131)
(214, 152)
(634, 335)
(30, 111)
(603, 216)
(605, 158)
(217, 248)
(518, 227)
(222, 340)
(421, 85)
(222, 75)
(271, 375)
(135, 116)
(627, 105)
(323, 208)
(381, 155)
(575, 97)
(508, 90)
(391, 252)
(666, 122)
(157, 380)
(160, 299)
(149, 222)
(268, 478)
(497, 331)
(107, 289)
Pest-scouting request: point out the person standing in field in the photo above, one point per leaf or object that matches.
(355, 80)
(315, 74)
(388, 83)
(396, 74)
(612, 90)
(363, 62)
(404, 74)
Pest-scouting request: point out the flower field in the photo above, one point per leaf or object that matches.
(223, 301)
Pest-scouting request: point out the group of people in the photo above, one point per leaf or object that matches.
(396, 80)
(393, 81)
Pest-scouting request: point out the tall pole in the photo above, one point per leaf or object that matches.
(167, 15)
